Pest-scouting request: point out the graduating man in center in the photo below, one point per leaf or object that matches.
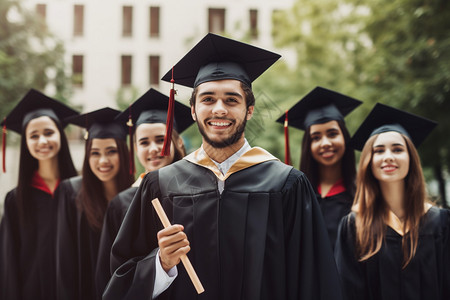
(250, 225)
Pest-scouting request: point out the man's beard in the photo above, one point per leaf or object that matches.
(231, 140)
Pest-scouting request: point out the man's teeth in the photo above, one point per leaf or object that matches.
(219, 124)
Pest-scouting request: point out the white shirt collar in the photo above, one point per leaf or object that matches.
(227, 163)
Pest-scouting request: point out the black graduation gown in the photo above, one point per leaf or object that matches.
(334, 208)
(27, 253)
(426, 277)
(77, 246)
(114, 215)
(262, 238)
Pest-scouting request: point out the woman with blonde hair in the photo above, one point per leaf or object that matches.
(394, 244)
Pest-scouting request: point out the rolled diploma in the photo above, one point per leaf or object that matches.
(184, 259)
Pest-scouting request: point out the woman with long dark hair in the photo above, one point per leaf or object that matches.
(83, 202)
(148, 115)
(28, 227)
(394, 244)
(326, 158)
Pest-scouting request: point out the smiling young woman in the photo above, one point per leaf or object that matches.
(83, 201)
(326, 159)
(394, 244)
(28, 227)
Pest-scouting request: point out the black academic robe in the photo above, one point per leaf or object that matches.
(27, 251)
(262, 238)
(77, 246)
(114, 216)
(334, 208)
(381, 277)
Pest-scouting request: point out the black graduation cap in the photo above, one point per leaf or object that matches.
(384, 118)
(101, 124)
(319, 106)
(216, 57)
(152, 108)
(33, 105)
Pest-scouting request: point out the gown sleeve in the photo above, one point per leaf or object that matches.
(134, 278)
(113, 219)
(66, 243)
(9, 250)
(349, 268)
(311, 269)
(446, 268)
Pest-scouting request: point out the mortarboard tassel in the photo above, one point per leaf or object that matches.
(130, 134)
(287, 155)
(169, 121)
(4, 146)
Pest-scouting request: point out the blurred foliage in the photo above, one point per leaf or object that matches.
(126, 95)
(393, 52)
(408, 66)
(30, 56)
(327, 52)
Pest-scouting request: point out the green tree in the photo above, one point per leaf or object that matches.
(325, 39)
(409, 67)
(30, 56)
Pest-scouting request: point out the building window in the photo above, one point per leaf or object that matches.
(253, 14)
(216, 20)
(127, 21)
(126, 61)
(154, 21)
(78, 20)
(41, 10)
(77, 70)
(154, 69)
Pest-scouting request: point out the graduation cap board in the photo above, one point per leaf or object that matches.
(216, 58)
(152, 108)
(384, 118)
(319, 106)
(101, 124)
(33, 105)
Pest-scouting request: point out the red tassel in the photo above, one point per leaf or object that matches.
(169, 122)
(4, 146)
(130, 135)
(287, 155)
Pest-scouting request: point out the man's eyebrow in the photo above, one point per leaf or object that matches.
(226, 93)
(206, 93)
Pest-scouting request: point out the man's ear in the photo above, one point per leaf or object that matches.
(193, 113)
(250, 112)
(180, 142)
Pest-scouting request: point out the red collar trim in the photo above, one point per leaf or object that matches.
(337, 188)
(39, 183)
